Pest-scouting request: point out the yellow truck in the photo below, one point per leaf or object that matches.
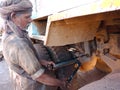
(88, 30)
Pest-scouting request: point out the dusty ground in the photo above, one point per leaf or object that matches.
(4, 77)
(109, 82)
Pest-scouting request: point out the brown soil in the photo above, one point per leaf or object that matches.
(109, 82)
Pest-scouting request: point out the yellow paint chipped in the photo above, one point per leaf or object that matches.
(110, 3)
(116, 3)
(94, 7)
(106, 3)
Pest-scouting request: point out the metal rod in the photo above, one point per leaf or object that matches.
(74, 72)
(62, 64)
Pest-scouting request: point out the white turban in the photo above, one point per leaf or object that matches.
(9, 6)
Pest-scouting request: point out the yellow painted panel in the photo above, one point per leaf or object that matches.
(106, 3)
(62, 33)
(116, 3)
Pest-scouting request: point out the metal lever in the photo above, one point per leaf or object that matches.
(74, 72)
(66, 63)
(62, 64)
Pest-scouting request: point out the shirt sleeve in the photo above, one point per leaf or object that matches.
(29, 62)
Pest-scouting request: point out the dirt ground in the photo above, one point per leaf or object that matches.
(4, 77)
(109, 82)
(6, 85)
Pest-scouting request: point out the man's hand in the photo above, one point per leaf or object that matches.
(65, 85)
(52, 81)
(46, 63)
(48, 80)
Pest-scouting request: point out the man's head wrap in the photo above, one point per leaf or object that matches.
(9, 6)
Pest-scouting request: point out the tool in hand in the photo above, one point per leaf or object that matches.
(64, 64)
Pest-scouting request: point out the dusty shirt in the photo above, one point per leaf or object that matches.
(22, 61)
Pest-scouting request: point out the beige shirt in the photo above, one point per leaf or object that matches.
(22, 61)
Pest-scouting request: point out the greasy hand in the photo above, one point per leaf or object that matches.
(45, 63)
(65, 85)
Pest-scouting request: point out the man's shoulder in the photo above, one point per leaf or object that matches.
(17, 42)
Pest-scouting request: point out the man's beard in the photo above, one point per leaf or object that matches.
(26, 27)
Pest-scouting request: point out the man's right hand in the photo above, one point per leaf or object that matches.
(51, 81)
(46, 63)
(65, 85)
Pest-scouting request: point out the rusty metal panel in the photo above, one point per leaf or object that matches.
(61, 33)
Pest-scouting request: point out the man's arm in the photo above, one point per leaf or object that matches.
(29, 62)
(51, 81)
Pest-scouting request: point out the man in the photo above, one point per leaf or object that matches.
(25, 70)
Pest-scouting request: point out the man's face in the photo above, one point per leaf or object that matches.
(23, 20)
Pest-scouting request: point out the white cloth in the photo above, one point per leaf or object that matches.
(9, 6)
